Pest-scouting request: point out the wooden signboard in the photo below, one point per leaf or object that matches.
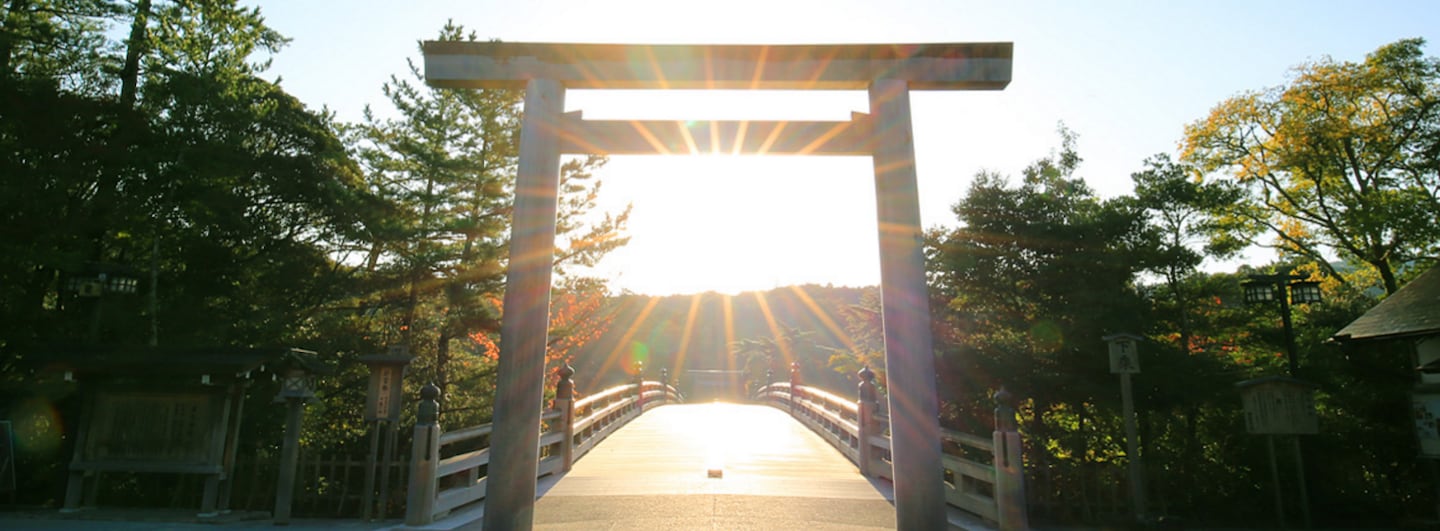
(171, 428)
(1279, 406)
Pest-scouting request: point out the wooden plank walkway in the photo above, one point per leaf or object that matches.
(655, 473)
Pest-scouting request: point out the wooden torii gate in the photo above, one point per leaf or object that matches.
(888, 71)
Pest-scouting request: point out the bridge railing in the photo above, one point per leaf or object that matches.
(448, 468)
(983, 476)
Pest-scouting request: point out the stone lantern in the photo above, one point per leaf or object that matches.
(296, 388)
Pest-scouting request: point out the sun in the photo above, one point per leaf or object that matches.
(714, 221)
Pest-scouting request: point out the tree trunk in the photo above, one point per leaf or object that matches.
(442, 360)
(1387, 275)
(134, 48)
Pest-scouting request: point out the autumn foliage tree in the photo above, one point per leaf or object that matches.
(1343, 158)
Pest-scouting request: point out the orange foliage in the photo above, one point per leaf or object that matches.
(576, 319)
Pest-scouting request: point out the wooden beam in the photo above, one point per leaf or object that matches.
(936, 66)
(643, 137)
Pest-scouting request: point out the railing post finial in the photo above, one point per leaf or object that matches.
(795, 392)
(1009, 465)
(565, 388)
(565, 402)
(429, 410)
(1005, 410)
(866, 410)
(424, 458)
(640, 386)
(868, 393)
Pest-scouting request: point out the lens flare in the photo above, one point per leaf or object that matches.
(38, 428)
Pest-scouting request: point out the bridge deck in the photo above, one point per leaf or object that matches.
(654, 473)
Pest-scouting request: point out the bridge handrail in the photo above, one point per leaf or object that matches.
(965, 439)
(994, 491)
(608, 395)
(567, 437)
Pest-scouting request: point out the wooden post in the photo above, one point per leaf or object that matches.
(367, 497)
(289, 459)
(565, 402)
(520, 387)
(1009, 466)
(232, 444)
(424, 458)
(866, 406)
(1275, 479)
(640, 391)
(75, 487)
(387, 456)
(905, 309)
(794, 386)
(1300, 476)
(1132, 447)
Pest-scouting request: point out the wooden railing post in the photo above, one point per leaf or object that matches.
(565, 402)
(425, 457)
(866, 409)
(794, 386)
(664, 385)
(640, 390)
(1009, 465)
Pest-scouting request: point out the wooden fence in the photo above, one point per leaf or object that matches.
(326, 485)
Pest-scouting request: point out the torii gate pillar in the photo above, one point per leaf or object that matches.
(905, 310)
(889, 72)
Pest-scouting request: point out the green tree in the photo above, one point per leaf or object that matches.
(1027, 285)
(446, 164)
(164, 151)
(1342, 158)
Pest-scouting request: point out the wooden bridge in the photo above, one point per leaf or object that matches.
(797, 457)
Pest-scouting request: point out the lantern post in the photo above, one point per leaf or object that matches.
(296, 388)
(1284, 289)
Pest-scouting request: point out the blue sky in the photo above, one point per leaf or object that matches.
(1125, 75)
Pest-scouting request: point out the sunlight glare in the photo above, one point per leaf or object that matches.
(717, 221)
(721, 429)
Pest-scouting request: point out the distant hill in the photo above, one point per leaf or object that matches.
(651, 329)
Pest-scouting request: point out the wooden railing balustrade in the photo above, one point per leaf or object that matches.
(448, 468)
(993, 490)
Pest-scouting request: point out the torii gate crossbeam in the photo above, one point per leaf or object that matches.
(888, 71)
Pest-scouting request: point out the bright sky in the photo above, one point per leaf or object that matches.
(1126, 75)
